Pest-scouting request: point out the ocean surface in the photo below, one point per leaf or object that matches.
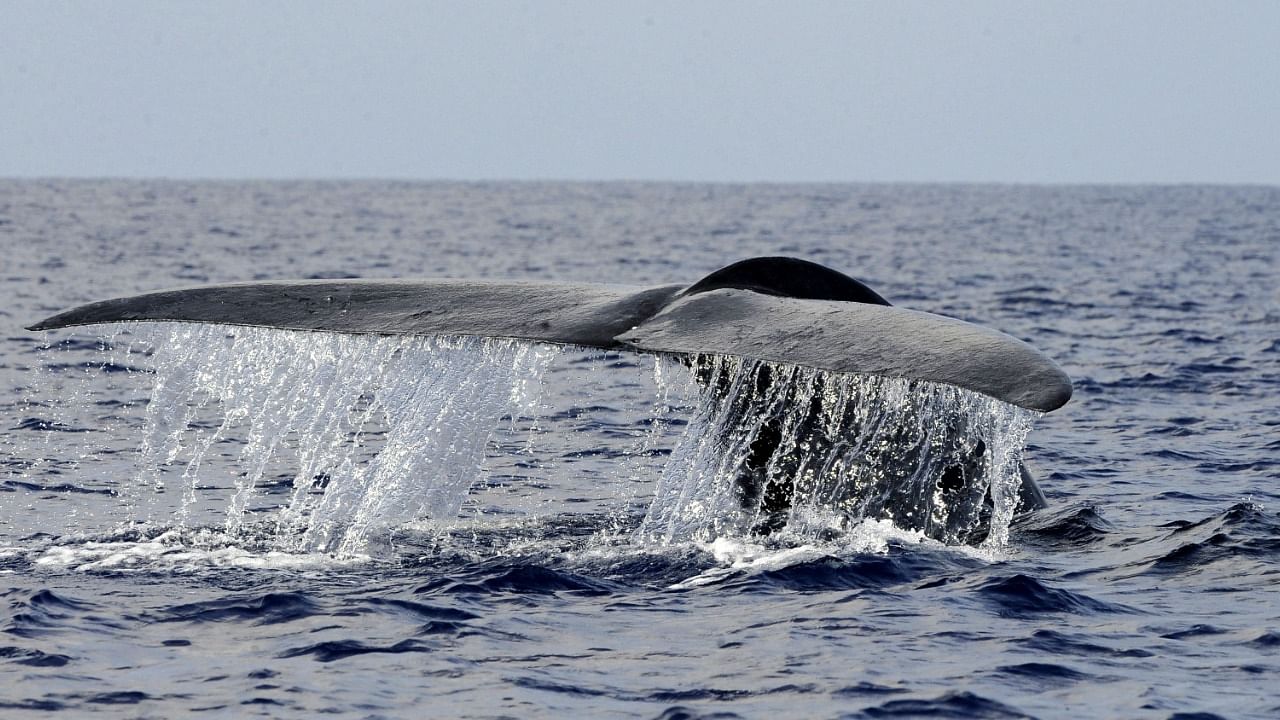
(201, 521)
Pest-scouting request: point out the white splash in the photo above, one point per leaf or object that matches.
(176, 550)
(739, 557)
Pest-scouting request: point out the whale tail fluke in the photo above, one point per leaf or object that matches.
(782, 310)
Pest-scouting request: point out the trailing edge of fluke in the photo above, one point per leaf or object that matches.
(777, 309)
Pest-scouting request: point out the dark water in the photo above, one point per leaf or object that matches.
(1149, 589)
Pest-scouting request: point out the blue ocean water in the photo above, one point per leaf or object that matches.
(136, 588)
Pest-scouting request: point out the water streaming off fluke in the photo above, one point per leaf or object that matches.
(333, 443)
(370, 433)
(776, 447)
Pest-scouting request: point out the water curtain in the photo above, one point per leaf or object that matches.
(371, 433)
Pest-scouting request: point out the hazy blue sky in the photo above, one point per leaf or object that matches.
(1020, 91)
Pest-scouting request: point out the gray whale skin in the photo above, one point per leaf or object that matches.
(777, 309)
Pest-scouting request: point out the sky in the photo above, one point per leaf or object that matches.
(695, 90)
